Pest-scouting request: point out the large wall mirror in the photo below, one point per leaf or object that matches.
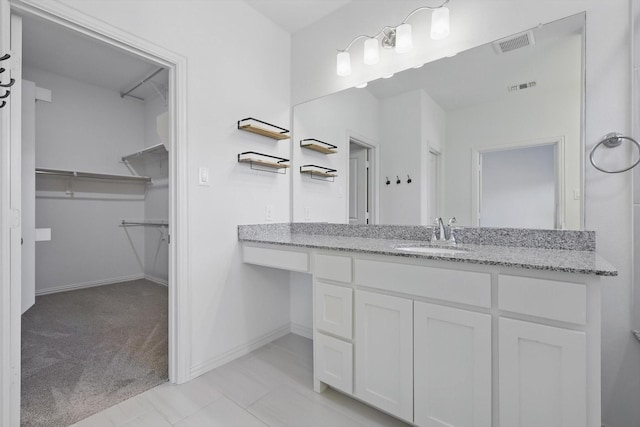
(492, 136)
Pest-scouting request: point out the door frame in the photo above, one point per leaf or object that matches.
(179, 303)
(374, 156)
(476, 170)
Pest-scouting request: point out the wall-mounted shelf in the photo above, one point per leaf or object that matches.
(260, 161)
(319, 171)
(317, 145)
(263, 128)
(91, 175)
(154, 150)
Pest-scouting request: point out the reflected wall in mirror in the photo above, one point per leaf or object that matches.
(492, 136)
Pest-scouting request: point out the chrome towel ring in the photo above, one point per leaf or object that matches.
(612, 140)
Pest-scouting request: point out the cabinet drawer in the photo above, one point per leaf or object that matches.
(550, 299)
(331, 267)
(333, 362)
(465, 287)
(333, 309)
(276, 258)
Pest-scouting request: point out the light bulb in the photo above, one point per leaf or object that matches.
(362, 85)
(404, 40)
(343, 64)
(371, 51)
(440, 23)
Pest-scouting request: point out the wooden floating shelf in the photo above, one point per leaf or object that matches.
(319, 146)
(320, 171)
(263, 161)
(258, 127)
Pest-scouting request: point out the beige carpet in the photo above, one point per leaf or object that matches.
(86, 350)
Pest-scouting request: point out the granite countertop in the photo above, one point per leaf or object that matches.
(534, 258)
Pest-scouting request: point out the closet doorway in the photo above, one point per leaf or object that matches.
(99, 165)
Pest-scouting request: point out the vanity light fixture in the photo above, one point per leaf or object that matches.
(399, 38)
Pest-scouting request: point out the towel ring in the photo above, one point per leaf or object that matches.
(612, 140)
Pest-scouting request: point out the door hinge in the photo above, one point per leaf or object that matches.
(168, 239)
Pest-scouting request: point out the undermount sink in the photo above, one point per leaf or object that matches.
(435, 250)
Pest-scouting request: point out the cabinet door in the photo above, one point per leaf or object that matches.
(543, 375)
(452, 367)
(384, 352)
(333, 364)
(333, 309)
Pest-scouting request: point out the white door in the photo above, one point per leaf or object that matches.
(452, 367)
(358, 185)
(433, 205)
(543, 375)
(28, 194)
(10, 231)
(384, 352)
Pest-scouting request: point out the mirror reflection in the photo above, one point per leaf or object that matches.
(492, 136)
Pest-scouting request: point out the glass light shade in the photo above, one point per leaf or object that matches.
(440, 23)
(404, 40)
(371, 51)
(343, 65)
(361, 85)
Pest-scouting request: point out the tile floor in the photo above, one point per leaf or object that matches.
(272, 386)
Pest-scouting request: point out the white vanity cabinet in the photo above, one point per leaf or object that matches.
(452, 368)
(438, 343)
(384, 352)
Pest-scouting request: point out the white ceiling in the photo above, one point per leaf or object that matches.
(480, 74)
(53, 48)
(294, 15)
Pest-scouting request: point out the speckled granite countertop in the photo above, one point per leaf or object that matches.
(534, 258)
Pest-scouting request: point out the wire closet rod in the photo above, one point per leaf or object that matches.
(91, 175)
(146, 79)
(126, 223)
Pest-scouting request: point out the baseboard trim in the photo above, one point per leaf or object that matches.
(156, 280)
(303, 331)
(75, 286)
(238, 351)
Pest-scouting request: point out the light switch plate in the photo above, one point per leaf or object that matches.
(203, 177)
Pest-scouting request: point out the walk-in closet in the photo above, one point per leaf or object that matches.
(95, 197)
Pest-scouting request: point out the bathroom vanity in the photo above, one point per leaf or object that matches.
(485, 335)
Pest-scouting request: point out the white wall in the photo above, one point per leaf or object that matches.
(400, 155)
(86, 128)
(333, 119)
(238, 66)
(608, 197)
(550, 109)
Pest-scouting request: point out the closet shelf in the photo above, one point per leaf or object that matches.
(258, 126)
(159, 149)
(263, 161)
(91, 175)
(319, 171)
(145, 222)
(317, 145)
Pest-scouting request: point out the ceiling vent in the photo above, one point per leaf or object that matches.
(514, 42)
(521, 86)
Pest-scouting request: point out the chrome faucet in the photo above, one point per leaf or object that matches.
(445, 233)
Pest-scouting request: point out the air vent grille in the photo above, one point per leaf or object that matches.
(514, 42)
(521, 86)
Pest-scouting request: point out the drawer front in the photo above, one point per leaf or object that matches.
(333, 362)
(333, 309)
(276, 258)
(550, 299)
(331, 267)
(465, 287)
